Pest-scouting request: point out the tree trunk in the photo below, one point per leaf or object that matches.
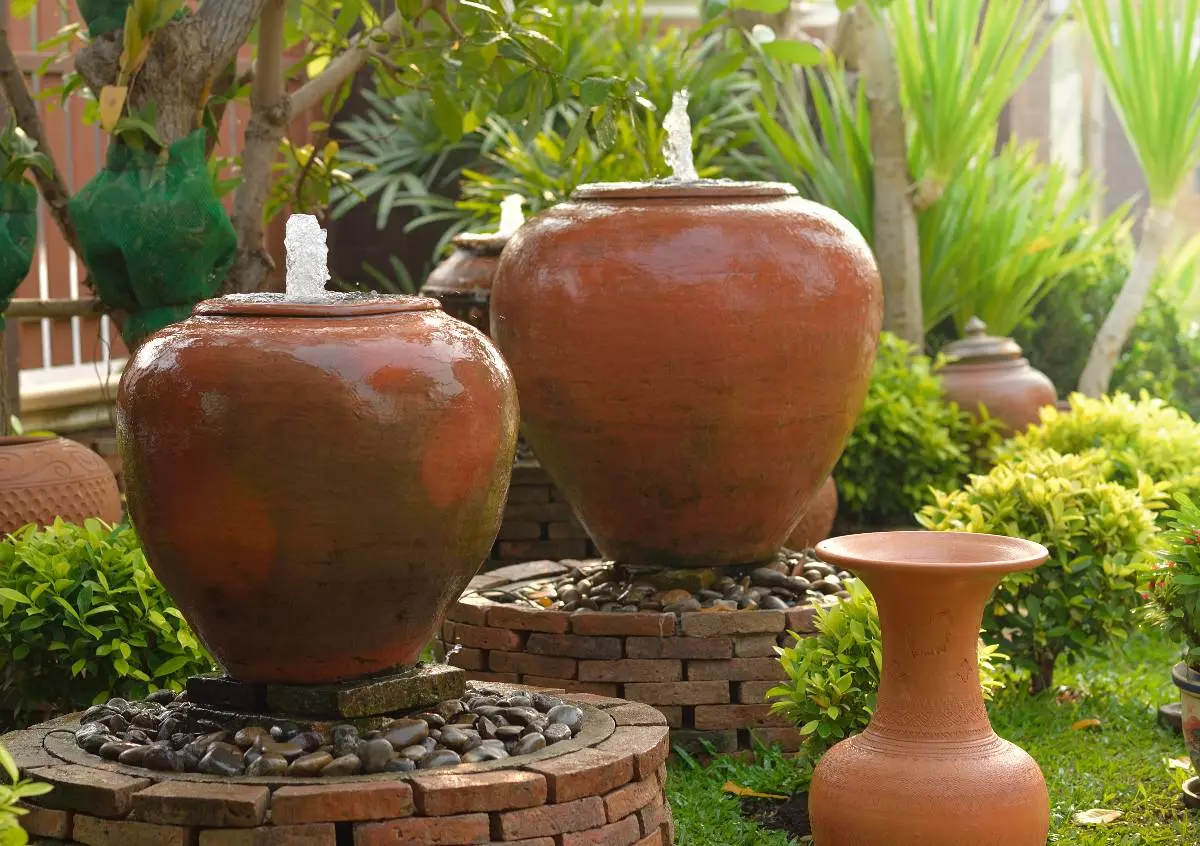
(897, 250)
(1118, 325)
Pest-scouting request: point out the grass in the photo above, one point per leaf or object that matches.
(1120, 766)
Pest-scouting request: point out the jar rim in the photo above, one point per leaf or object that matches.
(275, 305)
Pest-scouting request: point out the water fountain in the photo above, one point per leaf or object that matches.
(691, 356)
(316, 477)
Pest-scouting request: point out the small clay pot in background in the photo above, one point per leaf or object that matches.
(992, 371)
(463, 282)
(42, 478)
(817, 522)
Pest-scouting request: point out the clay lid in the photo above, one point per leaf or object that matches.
(669, 189)
(338, 305)
(482, 243)
(978, 346)
(931, 551)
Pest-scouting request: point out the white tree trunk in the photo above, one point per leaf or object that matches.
(1118, 325)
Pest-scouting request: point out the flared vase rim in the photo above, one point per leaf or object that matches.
(672, 189)
(932, 552)
(278, 306)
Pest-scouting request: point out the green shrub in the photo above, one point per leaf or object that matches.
(833, 676)
(1174, 588)
(11, 794)
(1139, 436)
(83, 619)
(908, 440)
(1100, 535)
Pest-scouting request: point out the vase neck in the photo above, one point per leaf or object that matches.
(929, 690)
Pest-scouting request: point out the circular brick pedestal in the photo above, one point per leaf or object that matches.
(602, 788)
(707, 672)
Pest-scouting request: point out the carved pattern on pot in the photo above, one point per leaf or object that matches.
(44, 478)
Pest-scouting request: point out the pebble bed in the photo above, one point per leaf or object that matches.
(166, 732)
(793, 579)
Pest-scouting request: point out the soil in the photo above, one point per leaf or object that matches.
(789, 816)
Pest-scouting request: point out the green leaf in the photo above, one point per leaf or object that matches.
(446, 114)
(801, 53)
(171, 666)
(768, 7)
(594, 90)
(14, 595)
(576, 135)
(9, 765)
(21, 9)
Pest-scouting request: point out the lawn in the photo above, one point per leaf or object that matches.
(1122, 765)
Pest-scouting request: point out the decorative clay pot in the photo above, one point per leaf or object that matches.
(463, 282)
(315, 484)
(929, 770)
(44, 478)
(1188, 682)
(691, 359)
(993, 372)
(817, 521)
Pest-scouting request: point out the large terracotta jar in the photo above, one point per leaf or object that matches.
(691, 358)
(817, 522)
(463, 282)
(315, 484)
(993, 372)
(929, 770)
(48, 477)
(1188, 682)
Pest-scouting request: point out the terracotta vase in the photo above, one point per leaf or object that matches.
(1188, 682)
(992, 371)
(45, 478)
(672, 345)
(316, 484)
(817, 521)
(463, 282)
(929, 770)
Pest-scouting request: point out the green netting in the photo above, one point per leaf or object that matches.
(103, 16)
(154, 235)
(18, 236)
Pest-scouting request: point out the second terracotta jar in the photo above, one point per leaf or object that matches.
(691, 358)
(463, 282)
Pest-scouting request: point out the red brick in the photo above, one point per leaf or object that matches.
(43, 822)
(498, 678)
(502, 790)
(630, 670)
(648, 745)
(484, 637)
(566, 531)
(624, 832)
(520, 530)
(426, 831)
(374, 800)
(787, 739)
(636, 714)
(738, 669)
(574, 646)
(468, 659)
(202, 803)
(680, 693)
(574, 686)
(530, 472)
(323, 834)
(528, 493)
(802, 620)
(643, 623)
(701, 624)
(737, 716)
(755, 646)
(686, 648)
(753, 692)
(95, 831)
(541, 513)
(625, 800)
(87, 791)
(522, 662)
(537, 841)
(547, 820)
(471, 610)
(655, 838)
(540, 548)
(526, 619)
(588, 772)
(596, 700)
(652, 816)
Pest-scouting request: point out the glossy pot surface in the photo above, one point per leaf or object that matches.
(818, 518)
(45, 478)
(691, 359)
(928, 770)
(315, 484)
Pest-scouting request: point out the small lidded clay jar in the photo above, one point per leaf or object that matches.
(463, 282)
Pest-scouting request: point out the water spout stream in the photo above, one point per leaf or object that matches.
(678, 148)
(307, 259)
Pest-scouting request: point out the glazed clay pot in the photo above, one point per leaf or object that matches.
(45, 478)
(315, 484)
(993, 372)
(1188, 682)
(672, 345)
(929, 770)
(817, 521)
(463, 282)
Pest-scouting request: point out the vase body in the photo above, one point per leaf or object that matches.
(691, 359)
(1188, 682)
(818, 518)
(928, 770)
(45, 478)
(463, 282)
(315, 484)
(992, 372)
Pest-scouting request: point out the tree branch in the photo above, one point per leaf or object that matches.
(344, 66)
(228, 24)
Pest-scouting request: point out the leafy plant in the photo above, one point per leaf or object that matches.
(83, 619)
(833, 676)
(19, 154)
(11, 794)
(908, 440)
(1100, 535)
(1174, 587)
